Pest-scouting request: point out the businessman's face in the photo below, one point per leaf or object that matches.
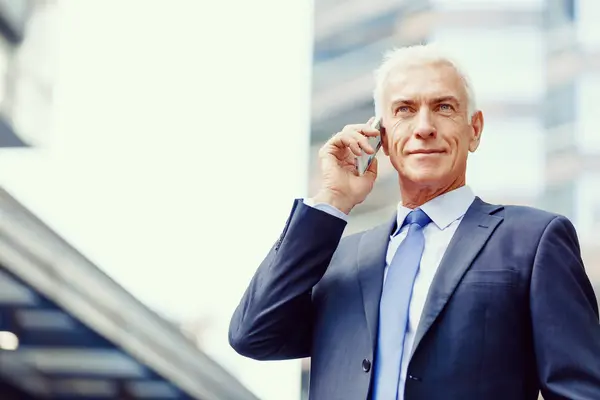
(429, 131)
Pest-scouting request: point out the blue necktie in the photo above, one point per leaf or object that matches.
(394, 307)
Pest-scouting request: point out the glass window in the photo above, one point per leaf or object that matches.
(596, 212)
(37, 53)
(559, 105)
(588, 206)
(559, 13)
(560, 140)
(510, 71)
(569, 9)
(588, 121)
(560, 199)
(305, 380)
(498, 4)
(31, 77)
(523, 175)
(14, 14)
(31, 114)
(588, 29)
(355, 36)
(361, 60)
(5, 63)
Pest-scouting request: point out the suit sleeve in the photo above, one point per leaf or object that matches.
(564, 312)
(274, 319)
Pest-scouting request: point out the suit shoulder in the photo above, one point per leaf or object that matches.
(352, 239)
(350, 244)
(530, 215)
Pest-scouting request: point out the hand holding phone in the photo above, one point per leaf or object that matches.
(346, 180)
(364, 161)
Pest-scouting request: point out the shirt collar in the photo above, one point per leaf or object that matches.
(443, 210)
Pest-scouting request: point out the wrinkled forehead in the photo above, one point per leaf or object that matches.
(424, 81)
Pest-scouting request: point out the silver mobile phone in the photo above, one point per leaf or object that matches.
(363, 161)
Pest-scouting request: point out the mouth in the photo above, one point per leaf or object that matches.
(426, 152)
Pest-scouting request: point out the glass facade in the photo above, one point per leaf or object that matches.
(560, 105)
(586, 133)
(27, 71)
(571, 119)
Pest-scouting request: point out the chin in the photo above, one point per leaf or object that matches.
(426, 177)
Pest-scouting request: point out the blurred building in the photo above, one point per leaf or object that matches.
(27, 70)
(68, 331)
(571, 120)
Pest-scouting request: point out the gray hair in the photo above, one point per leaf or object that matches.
(418, 55)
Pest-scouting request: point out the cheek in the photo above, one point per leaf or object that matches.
(396, 138)
(460, 152)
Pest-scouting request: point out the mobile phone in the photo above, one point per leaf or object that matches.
(363, 161)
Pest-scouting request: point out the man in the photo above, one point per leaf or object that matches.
(454, 298)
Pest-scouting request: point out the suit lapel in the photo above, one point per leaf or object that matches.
(372, 250)
(473, 232)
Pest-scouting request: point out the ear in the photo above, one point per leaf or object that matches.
(476, 130)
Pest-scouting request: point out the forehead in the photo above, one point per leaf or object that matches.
(426, 81)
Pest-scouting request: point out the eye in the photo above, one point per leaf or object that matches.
(402, 110)
(445, 107)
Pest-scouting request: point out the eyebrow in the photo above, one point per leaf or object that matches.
(436, 100)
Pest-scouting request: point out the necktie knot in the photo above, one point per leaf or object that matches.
(418, 217)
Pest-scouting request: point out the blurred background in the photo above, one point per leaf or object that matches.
(150, 153)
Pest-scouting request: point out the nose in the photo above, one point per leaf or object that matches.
(424, 125)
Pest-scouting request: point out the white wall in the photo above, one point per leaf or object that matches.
(181, 140)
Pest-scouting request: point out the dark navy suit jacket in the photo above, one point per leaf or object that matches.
(510, 311)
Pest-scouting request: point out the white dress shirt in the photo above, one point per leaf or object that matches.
(446, 212)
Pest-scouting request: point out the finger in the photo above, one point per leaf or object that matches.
(363, 142)
(351, 143)
(355, 141)
(368, 130)
(365, 129)
(370, 121)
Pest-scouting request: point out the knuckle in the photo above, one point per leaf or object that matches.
(340, 136)
(332, 140)
(352, 128)
(345, 134)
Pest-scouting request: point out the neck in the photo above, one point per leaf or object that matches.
(414, 196)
